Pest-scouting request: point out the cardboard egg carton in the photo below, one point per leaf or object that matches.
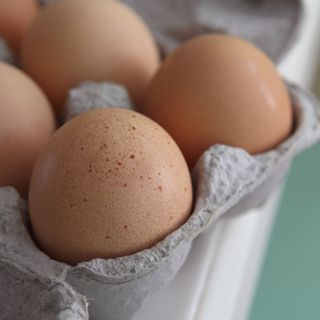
(227, 180)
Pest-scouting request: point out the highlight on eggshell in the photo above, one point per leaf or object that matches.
(26, 123)
(16, 17)
(72, 41)
(219, 89)
(111, 182)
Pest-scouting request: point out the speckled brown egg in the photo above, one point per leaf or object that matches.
(111, 182)
(73, 41)
(220, 89)
(16, 16)
(26, 123)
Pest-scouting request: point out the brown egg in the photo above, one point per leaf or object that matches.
(26, 122)
(16, 17)
(220, 89)
(100, 40)
(111, 182)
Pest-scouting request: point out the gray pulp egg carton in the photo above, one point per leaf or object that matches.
(226, 180)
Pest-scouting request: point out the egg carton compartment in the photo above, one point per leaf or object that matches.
(226, 180)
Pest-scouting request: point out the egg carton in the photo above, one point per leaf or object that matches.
(226, 180)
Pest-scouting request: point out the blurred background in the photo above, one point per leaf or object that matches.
(289, 284)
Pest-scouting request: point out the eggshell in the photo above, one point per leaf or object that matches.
(16, 17)
(26, 122)
(99, 40)
(220, 89)
(111, 182)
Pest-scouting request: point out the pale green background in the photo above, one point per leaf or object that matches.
(289, 286)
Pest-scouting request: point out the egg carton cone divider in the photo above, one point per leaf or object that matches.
(6, 54)
(227, 180)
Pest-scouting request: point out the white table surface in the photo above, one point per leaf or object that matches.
(220, 275)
